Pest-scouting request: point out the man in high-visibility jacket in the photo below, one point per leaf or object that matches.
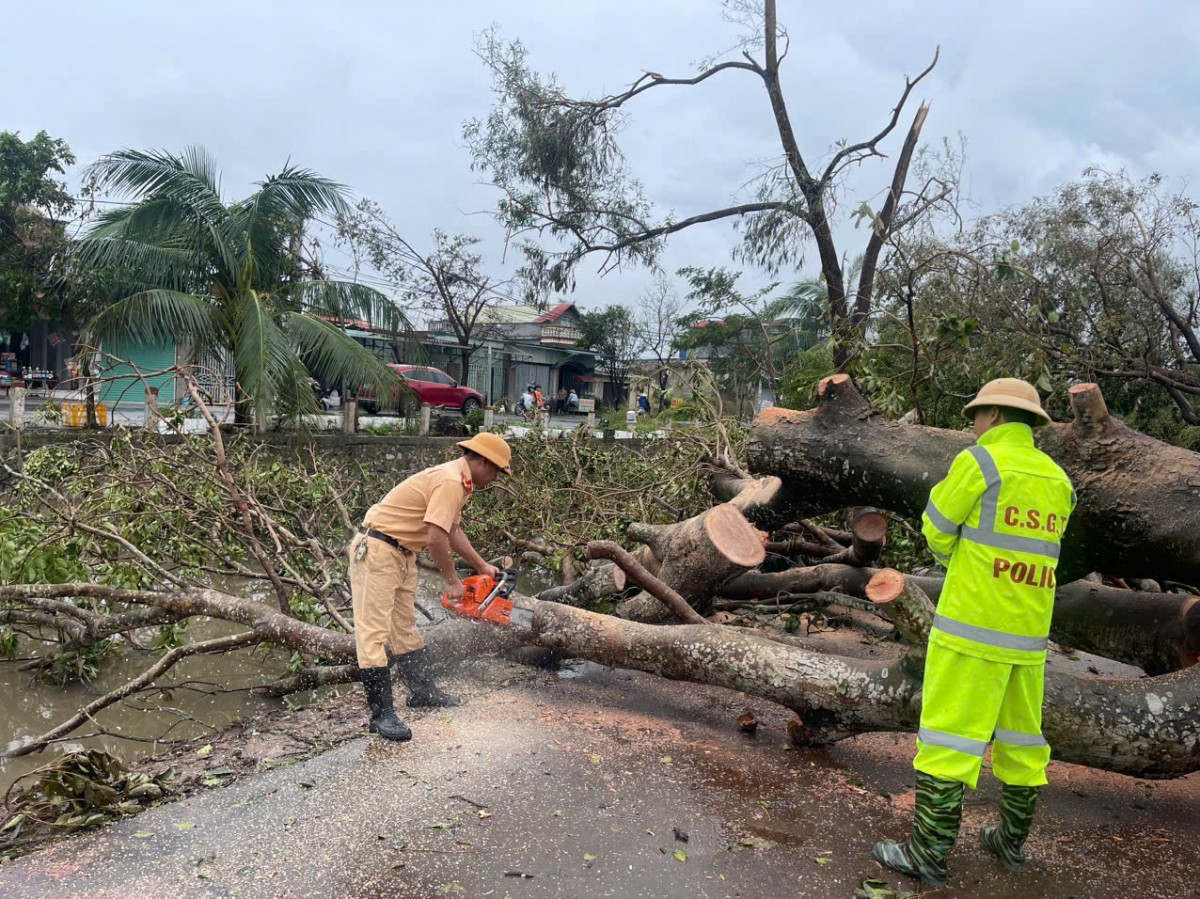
(996, 522)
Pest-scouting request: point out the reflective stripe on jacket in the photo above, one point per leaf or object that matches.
(996, 522)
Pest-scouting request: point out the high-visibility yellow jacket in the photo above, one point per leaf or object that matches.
(996, 522)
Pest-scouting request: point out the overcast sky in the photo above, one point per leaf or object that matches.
(375, 94)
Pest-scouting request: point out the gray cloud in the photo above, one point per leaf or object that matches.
(375, 94)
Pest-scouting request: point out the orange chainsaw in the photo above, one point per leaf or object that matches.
(484, 598)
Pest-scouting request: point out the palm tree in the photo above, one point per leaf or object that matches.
(230, 276)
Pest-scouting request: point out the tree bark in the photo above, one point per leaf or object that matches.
(601, 581)
(909, 609)
(1139, 498)
(1157, 632)
(698, 556)
(765, 502)
(1144, 727)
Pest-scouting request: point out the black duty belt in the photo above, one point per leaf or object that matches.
(390, 541)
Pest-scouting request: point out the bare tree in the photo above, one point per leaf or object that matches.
(447, 283)
(564, 178)
(662, 309)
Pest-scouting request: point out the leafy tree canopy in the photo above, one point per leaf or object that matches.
(1096, 281)
(33, 207)
(231, 276)
(618, 341)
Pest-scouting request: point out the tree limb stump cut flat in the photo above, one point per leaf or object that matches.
(698, 556)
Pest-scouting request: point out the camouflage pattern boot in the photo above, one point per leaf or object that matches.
(1006, 841)
(935, 828)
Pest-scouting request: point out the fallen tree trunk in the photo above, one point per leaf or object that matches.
(1157, 632)
(1139, 498)
(1143, 727)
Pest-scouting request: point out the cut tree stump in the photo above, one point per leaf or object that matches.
(698, 556)
(909, 609)
(868, 536)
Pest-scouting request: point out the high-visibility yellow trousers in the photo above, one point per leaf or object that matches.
(967, 701)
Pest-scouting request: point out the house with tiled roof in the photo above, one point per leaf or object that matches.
(524, 345)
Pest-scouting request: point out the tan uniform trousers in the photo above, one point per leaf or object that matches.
(383, 584)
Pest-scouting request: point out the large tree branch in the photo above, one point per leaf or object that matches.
(852, 153)
(606, 549)
(587, 246)
(883, 226)
(653, 79)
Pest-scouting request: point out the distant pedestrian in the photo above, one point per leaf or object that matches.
(643, 403)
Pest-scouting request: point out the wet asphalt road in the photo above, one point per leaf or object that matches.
(584, 784)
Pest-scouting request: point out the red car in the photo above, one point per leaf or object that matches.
(431, 386)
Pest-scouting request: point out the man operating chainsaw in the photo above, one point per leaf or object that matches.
(423, 511)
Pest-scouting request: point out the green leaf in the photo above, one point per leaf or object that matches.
(757, 843)
(679, 855)
(184, 825)
(144, 834)
(204, 751)
(874, 889)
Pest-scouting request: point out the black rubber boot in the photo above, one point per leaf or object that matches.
(935, 828)
(1007, 841)
(377, 682)
(423, 693)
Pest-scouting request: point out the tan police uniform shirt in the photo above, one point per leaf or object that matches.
(433, 496)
